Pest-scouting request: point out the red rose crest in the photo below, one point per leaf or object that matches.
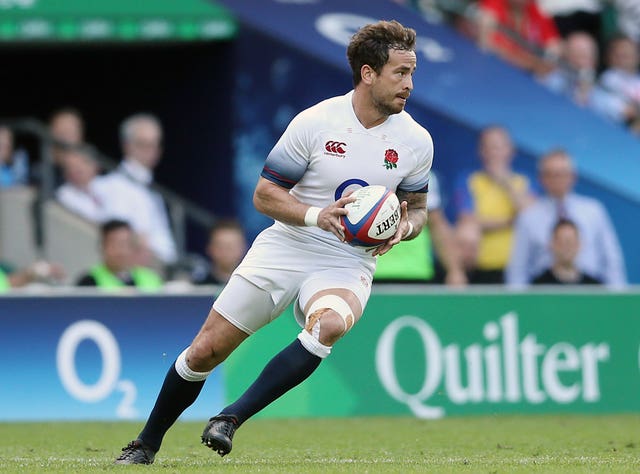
(390, 159)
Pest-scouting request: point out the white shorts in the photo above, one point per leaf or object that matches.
(281, 267)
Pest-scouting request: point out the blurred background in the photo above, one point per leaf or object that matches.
(132, 135)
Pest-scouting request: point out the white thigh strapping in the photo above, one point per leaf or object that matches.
(245, 305)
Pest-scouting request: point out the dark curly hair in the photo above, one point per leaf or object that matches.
(371, 44)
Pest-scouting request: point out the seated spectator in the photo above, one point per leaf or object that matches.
(66, 127)
(39, 272)
(119, 267)
(622, 76)
(493, 196)
(127, 193)
(78, 193)
(412, 261)
(518, 32)
(14, 164)
(576, 79)
(599, 256)
(565, 243)
(226, 248)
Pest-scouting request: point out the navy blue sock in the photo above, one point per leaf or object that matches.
(175, 396)
(287, 369)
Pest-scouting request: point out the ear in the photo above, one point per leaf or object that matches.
(368, 74)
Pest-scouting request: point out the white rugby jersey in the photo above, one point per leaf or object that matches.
(326, 151)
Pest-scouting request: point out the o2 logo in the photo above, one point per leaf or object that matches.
(101, 336)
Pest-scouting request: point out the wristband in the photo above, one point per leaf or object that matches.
(409, 232)
(311, 216)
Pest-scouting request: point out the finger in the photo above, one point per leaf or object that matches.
(344, 200)
(339, 211)
(404, 210)
(338, 231)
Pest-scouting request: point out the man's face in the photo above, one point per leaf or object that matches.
(226, 248)
(581, 52)
(145, 144)
(565, 245)
(623, 54)
(495, 150)
(392, 87)
(119, 249)
(557, 176)
(79, 169)
(68, 129)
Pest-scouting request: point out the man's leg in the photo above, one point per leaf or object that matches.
(329, 315)
(182, 385)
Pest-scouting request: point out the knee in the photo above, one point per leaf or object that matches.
(329, 325)
(201, 357)
(329, 318)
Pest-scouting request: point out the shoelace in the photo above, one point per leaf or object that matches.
(129, 450)
(228, 427)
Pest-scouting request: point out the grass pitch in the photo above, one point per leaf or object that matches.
(504, 444)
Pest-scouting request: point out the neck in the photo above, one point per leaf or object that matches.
(365, 111)
(221, 274)
(565, 272)
(116, 270)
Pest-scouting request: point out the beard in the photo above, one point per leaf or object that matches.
(387, 107)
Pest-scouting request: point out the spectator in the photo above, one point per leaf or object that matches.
(565, 243)
(38, 272)
(599, 255)
(14, 164)
(576, 79)
(412, 261)
(493, 197)
(518, 32)
(119, 266)
(226, 248)
(78, 193)
(622, 76)
(575, 15)
(127, 193)
(66, 127)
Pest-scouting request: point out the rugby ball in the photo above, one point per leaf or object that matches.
(373, 217)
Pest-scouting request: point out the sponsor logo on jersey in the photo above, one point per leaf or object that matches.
(335, 148)
(390, 159)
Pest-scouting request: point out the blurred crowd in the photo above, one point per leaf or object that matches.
(586, 50)
(136, 241)
(507, 229)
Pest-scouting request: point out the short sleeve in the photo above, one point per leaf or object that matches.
(288, 160)
(418, 180)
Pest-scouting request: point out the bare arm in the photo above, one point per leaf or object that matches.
(37, 271)
(275, 201)
(413, 210)
(445, 248)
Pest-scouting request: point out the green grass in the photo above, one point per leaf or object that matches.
(505, 444)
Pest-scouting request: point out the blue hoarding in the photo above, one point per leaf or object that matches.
(96, 357)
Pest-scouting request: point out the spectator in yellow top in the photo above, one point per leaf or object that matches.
(493, 196)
